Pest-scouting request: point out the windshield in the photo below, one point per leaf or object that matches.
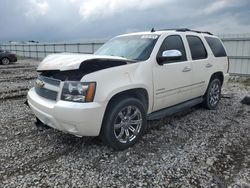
(133, 47)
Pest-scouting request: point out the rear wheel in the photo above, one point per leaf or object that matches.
(5, 61)
(124, 123)
(213, 94)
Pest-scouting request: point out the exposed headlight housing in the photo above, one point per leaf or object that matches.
(78, 92)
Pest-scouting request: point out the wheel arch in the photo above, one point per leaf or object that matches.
(138, 93)
(218, 75)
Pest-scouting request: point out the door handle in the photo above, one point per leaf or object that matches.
(186, 69)
(209, 65)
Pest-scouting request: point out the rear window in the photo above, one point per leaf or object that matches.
(197, 48)
(216, 47)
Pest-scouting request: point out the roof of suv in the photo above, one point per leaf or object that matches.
(163, 31)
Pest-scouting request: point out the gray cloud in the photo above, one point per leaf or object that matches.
(67, 20)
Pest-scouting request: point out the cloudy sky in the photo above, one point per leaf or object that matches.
(79, 20)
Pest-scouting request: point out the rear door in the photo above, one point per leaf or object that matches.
(172, 80)
(202, 66)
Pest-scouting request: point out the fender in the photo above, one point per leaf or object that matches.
(123, 78)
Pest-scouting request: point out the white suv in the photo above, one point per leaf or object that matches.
(129, 80)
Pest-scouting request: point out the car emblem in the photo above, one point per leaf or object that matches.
(40, 83)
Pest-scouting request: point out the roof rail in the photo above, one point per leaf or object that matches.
(190, 30)
(184, 30)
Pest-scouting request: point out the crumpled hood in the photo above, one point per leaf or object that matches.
(70, 61)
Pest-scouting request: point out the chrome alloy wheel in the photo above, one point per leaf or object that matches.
(214, 94)
(128, 124)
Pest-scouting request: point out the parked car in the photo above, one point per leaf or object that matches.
(7, 57)
(131, 79)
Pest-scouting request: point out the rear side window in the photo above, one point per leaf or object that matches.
(197, 48)
(174, 42)
(216, 47)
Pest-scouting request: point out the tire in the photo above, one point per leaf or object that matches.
(124, 123)
(213, 94)
(5, 61)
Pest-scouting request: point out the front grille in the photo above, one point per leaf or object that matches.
(48, 94)
(43, 91)
(48, 80)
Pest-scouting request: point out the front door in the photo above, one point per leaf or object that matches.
(172, 80)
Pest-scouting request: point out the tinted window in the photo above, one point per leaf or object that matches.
(216, 47)
(197, 48)
(173, 42)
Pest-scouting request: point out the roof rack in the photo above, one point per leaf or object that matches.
(183, 30)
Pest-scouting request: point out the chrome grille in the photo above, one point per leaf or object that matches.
(43, 87)
(49, 80)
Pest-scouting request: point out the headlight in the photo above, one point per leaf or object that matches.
(78, 91)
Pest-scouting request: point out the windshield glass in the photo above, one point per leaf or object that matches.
(133, 47)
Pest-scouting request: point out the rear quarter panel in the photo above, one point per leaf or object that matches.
(220, 63)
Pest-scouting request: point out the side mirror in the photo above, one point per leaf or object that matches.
(169, 55)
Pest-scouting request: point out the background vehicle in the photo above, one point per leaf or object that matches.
(7, 57)
(131, 79)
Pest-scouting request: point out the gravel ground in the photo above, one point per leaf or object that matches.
(195, 148)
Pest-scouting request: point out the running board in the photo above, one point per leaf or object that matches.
(174, 109)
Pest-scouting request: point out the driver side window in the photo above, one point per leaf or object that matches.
(173, 42)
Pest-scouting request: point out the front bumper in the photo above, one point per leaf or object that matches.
(80, 119)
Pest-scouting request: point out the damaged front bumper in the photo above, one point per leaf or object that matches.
(80, 119)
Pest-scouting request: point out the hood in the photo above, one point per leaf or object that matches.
(70, 61)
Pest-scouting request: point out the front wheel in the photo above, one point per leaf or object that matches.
(124, 123)
(213, 94)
